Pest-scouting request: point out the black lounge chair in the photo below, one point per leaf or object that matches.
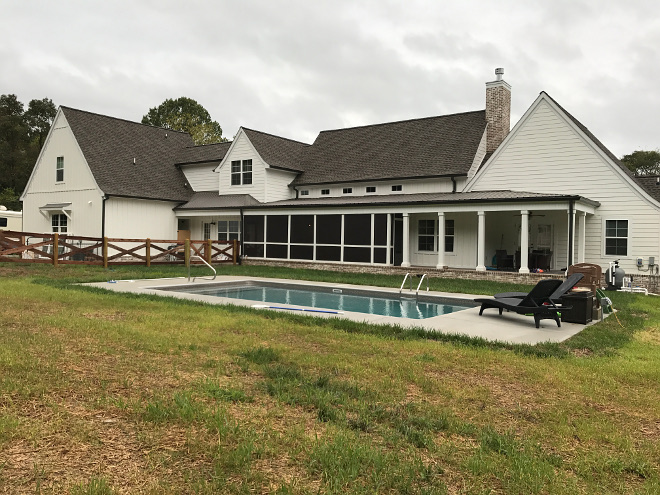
(570, 282)
(537, 303)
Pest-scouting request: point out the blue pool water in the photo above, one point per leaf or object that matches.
(333, 299)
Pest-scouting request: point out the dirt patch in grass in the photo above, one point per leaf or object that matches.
(107, 316)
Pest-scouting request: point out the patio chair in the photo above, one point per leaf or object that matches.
(537, 303)
(570, 282)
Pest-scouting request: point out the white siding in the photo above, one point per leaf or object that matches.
(78, 188)
(201, 177)
(545, 153)
(139, 219)
(410, 186)
(465, 241)
(242, 149)
(277, 184)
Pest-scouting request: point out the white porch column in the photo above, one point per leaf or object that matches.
(441, 241)
(481, 241)
(582, 219)
(388, 254)
(406, 240)
(570, 252)
(524, 241)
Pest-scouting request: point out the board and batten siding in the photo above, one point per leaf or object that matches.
(242, 149)
(408, 186)
(201, 177)
(130, 218)
(78, 187)
(546, 153)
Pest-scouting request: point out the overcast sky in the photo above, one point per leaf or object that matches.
(294, 68)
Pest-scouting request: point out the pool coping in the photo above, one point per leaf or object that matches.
(510, 327)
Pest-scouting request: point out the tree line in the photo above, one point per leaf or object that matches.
(24, 130)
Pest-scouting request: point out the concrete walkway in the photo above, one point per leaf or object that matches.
(509, 327)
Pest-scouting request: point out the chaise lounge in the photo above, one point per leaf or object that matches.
(537, 303)
(570, 282)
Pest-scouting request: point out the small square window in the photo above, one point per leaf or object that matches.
(325, 192)
(3, 222)
(398, 187)
(371, 189)
(304, 193)
(348, 190)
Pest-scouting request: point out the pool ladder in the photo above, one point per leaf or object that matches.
(421, 280)
(206, 263)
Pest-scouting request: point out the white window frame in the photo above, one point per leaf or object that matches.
(628, 237)
(432, 235)
(347, 190)
(241, 172)
(397, 188)
(325, 192)
(59, 169)
(452, 235)
(226, 232)
(206, 230)
(62, 222)
(304, 192)
(370, 189)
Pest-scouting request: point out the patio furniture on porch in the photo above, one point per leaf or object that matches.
(593, 276)
(570, 282)
(537, 303)
(503, 261)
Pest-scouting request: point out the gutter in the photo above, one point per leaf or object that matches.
(453, 181)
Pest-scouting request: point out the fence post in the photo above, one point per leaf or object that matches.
(148, 253)
(234, 253)
(56, 248)
(105, 252)
(186, 252)
(209, 251)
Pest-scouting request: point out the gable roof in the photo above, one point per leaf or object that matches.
(202, 154)
(277, 152)
(110, 145)
(651, 184)
(427, 147)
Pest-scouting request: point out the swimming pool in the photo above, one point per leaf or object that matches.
(328, 299)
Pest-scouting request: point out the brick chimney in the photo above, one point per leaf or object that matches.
(498, 111)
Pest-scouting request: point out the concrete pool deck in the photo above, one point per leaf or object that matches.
(509, 327)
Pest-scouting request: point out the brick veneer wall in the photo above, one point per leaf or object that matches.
(498, 113)
(650, 282)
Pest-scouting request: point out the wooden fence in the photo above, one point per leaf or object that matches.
(65, 249)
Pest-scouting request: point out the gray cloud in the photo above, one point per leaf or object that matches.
(296, 67)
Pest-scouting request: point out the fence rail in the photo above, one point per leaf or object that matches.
(56, 249)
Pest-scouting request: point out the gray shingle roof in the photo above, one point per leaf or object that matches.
(110, 145)
(277, 151)
(201, 154)
(434, 198)
(210, 200)
(650, 184)
(428, 147)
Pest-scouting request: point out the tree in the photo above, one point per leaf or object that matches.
(643, 162)
(22, 134)
(9, 199)
(185, 114)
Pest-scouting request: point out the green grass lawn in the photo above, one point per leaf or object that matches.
(111, 393)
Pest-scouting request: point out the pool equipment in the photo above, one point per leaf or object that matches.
(614, 276)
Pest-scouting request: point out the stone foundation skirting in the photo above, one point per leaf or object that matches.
(650, 282)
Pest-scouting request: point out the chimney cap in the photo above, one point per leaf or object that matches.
(499, 72)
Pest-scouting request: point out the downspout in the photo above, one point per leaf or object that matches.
(240, 240)
(104, 199)
(453, 187)
(295, 189)
(570, 231)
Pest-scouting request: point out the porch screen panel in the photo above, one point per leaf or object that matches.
(302, 229)
(302, 252)
(380, 255)
(276, 251)
(357, 230)
(357, 254)
(328, 253)
(277, 228)
(254, 228)
(253, 250)
(328, 230)
(380, 230)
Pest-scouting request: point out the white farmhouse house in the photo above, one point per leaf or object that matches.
(455, 191)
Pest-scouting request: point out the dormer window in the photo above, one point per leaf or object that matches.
(59, 169)
(241, 172)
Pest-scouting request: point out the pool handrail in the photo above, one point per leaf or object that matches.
(420, 284)
(205, 262)
(404, 283)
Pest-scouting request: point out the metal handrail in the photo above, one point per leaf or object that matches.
(203, 261)
(420, 284)
(404, 282)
